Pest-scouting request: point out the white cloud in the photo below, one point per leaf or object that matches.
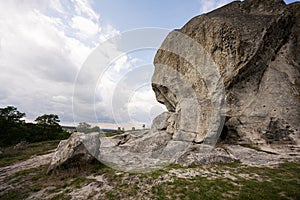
(57, 6)
(40, 55)
(85, 27)
(123, 94)
(83, 8)
(107, 32)
(43, 46)
(141, 107)
(207, 6)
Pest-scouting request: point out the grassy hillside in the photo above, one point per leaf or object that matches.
(11, 155)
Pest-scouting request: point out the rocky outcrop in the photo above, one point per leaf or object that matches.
(148, 150)
(80, 148)
(245, 54)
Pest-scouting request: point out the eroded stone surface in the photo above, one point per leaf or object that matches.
(80, 147)
(254, 46)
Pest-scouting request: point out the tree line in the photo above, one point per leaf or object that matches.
(13, 129)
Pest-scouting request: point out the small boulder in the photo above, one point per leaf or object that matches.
(79, 148)
(160, 122)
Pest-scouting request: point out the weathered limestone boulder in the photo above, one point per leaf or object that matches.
(161, 122)
(246, 55)
(79, 148)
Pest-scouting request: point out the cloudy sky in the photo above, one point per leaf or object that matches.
(48, 51)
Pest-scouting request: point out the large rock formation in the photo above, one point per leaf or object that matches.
(254, 47)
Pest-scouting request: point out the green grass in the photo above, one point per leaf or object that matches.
(281, 182)
(11, 155)
(61, 196)
(33, 180)
(110, 134)
(79, 181)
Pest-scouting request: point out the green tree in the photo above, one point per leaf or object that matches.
(49, 125)
(50, 120)
(10, 124)
(14, 130)
(11, 114)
